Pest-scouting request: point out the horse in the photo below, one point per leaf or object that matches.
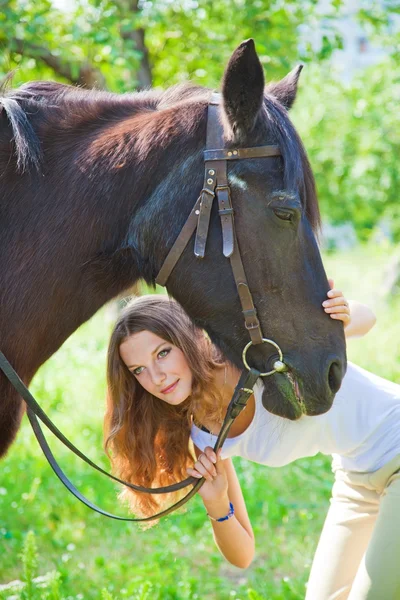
(95, 188)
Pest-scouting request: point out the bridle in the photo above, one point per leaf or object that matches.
(215, 186)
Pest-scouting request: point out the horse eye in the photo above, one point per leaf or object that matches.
(284, 215)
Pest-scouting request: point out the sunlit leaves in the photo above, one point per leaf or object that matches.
(352, 133)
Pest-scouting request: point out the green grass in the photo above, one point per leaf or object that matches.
(81, 555)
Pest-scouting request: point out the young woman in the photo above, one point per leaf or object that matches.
(168, 385)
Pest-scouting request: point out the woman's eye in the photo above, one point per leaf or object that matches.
(284, 215)
(138, 370)
(164, 353)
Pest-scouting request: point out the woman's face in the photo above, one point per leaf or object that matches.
(160, 367)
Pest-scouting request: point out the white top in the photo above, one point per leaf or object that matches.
(361, 430)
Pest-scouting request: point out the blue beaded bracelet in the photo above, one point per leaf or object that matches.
(228, 516)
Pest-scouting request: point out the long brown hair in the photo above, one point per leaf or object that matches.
(146, 438)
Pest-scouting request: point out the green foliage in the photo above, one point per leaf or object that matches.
(352, 134)
(44, 587)
(185, 40)
(197, 43)
(30, 564)
(105, 595)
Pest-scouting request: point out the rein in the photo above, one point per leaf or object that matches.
(242, 392)
(215, 186)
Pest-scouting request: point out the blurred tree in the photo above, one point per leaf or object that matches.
(94, 43)
(352, 134)
(124, 44)
(193, 39)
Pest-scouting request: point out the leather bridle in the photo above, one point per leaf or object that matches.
(215, 186)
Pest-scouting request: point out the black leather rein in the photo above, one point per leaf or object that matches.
(239, 400)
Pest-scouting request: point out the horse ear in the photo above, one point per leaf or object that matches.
(285, 90)
(242, 90)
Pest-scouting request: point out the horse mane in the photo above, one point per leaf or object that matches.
(50, 103)
(40, 104)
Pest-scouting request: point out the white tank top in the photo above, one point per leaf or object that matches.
(361, 430)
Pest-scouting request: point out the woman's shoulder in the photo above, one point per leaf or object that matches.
(358, 379)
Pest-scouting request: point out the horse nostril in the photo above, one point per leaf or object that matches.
(335, 376)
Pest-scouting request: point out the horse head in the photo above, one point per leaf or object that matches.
(277, 219)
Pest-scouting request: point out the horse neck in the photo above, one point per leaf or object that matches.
(94, 225)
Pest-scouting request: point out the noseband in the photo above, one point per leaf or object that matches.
(215, 186)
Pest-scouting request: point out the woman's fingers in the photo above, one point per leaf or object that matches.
(342, 313)
(205, 465)
(337, 301)
(341, 317)
(338, 308)
(335, 294)
(193, 473)
(209, 452)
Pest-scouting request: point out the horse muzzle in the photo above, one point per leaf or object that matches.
(294, 392)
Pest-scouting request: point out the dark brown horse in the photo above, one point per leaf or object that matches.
(95, 188)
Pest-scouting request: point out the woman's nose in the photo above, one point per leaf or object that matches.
(158, 376)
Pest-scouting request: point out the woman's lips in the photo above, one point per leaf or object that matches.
(171, 388)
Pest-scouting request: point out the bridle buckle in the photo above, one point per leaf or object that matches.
(252, 326)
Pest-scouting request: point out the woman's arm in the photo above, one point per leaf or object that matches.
(357, 318)
(234, 537)
(362, 319)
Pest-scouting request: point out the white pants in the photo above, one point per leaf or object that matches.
(358, 554)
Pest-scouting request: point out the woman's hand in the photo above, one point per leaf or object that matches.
(210, 466)
(337, 306)
(234, 537)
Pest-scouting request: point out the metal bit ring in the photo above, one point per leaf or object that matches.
(279, 365)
